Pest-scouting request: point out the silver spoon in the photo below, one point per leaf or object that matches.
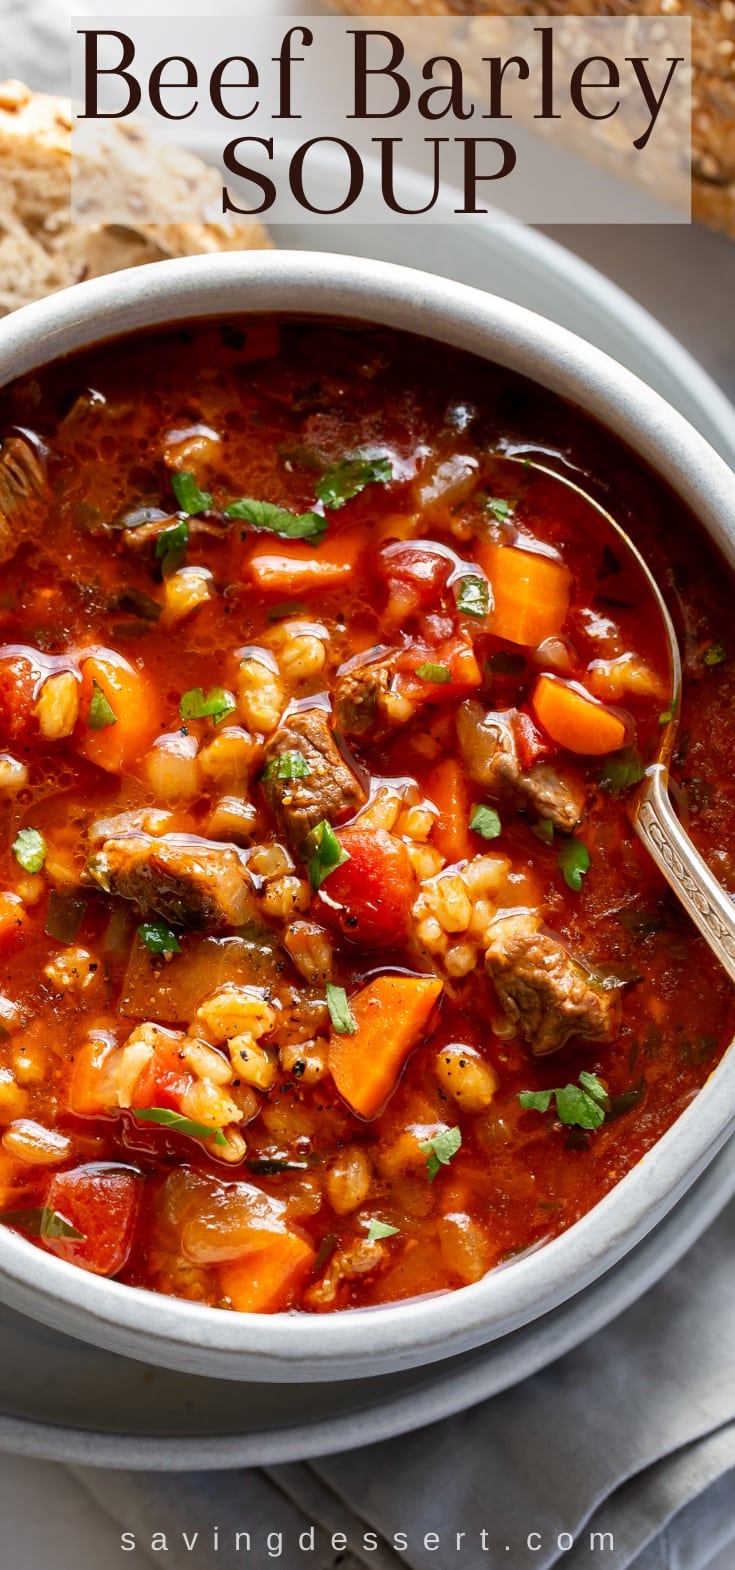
(652, 813)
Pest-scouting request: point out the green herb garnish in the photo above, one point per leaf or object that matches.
(472, 594)
(188, 494)
(500, 509)
(43, 1223)
(715, 654)
(158, 938)
(101, 713)
(290, 766)
(217, 704)
(324, 853)
(380, 1229)
(171, 545)
(180, 1124)
(574, 861)
(543, 828)
(348, 478)
(280, 520)
(437, 674)
(440, 1149)
(340, 1012)
(486, 821)
(577, 1106)
(29, 849)
(621, 770)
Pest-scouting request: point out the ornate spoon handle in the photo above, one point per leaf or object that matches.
(689, 876)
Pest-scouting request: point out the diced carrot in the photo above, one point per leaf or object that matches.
(265, 1281)
(102, 1203)
(530, 594)
(12, 919)
(299, 566)
(576, 720)
(132, 701)
(447, 787)
(391, 1014)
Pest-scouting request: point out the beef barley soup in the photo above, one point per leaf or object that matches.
(331, 970)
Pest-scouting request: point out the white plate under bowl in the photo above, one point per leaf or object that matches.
(62, 1400)
(525, 266)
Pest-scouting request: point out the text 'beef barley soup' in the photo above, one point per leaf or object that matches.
(332, 970)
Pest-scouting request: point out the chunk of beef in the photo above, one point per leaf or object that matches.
(547, 992)
(188, 881)
(488, 747)
(142, 540)
(330, 789)
(22, 484)
(359, 691)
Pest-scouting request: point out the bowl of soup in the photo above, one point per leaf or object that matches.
(344, 1022)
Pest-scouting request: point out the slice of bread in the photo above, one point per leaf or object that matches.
(41, 250)
(713, 80)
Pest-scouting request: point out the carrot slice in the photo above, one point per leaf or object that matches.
(391, 1014)
(530, 593)
(575, 720)
(447, 787)
(133, 718)
(264, 1281)
(295, 568)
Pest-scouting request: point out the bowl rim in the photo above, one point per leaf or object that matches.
(292, 1345)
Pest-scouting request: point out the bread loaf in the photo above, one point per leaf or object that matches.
(41, 250)
(713, 86)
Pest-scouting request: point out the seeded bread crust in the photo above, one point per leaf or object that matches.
(713, 87)
(41, 250)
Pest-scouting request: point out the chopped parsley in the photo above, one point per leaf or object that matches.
(101, 713)
(577, 1106)
(472, 594)
(216, 705)
(573, 861)
(324, 853)
(188, 494)
(171, 545)
(29, 849)
(380, 1229)
(340, 1012)
(666, 717)
(621, 770)
(346, 479)
(43, 1223)
(715, 654)
(543, 828)
(486, 821)
(279, 520)
(158, 938)
(440, 1149)
(500, 509)
(436, 674)
(180, 1124)
(290, 766)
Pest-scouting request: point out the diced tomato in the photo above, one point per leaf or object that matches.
(369, 897)
(20, 673)
(102, 1203)
(455, 655)
(415, 576)
(531, 743)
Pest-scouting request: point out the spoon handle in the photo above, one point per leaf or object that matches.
(708, 904)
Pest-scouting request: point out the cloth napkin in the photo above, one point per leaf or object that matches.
(632, 1434)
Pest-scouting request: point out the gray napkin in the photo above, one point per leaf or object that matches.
(632, 1434)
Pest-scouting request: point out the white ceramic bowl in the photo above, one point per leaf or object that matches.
(297, 1347)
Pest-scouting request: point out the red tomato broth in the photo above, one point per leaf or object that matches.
(78, 584)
